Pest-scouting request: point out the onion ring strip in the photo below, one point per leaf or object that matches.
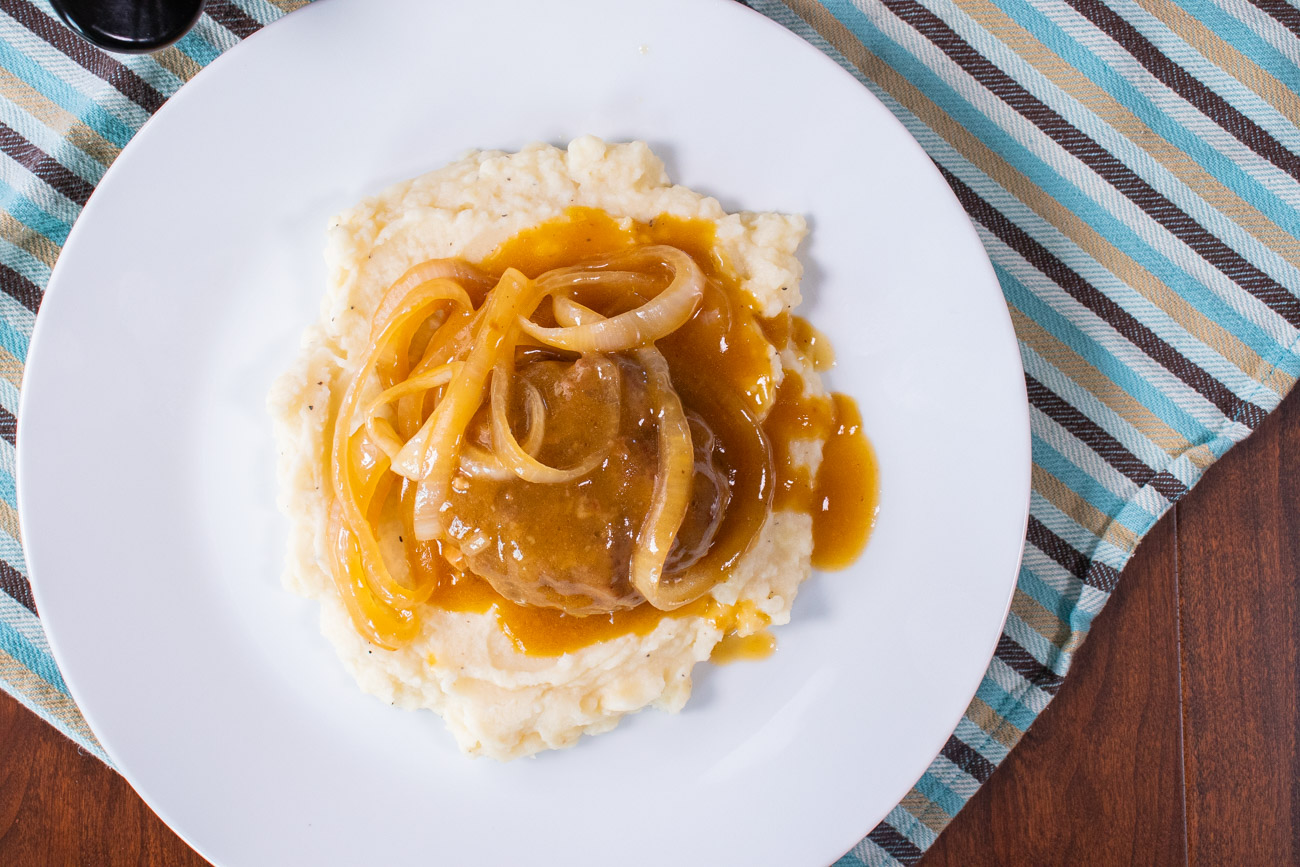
(439, 448)
(597, 274)
(439, 350)
(379, 429)
(672, 491)
(659, 317)
(380, 624)
(512, 456)
(415, 306)
(454, 271)
(479, 463)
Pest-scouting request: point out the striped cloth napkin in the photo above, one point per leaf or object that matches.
(1131, 167)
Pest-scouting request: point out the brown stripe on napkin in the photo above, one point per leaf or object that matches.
(102, 64)
(1023, 663)
(1117, 317)
(1168, 485)
(895, 844)
(16, 586)
(960, 754)
(8, 427)
(45, 167)
(1104, 578)
(1096, 438)
(1155, 205)
(1286, 14)
(232, 18)
(19, 288)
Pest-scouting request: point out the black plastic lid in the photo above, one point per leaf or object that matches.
(133, 26)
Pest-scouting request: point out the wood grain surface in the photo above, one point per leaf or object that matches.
(1173, 740)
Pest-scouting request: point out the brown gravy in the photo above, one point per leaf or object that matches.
(743, 648)
(720, 368)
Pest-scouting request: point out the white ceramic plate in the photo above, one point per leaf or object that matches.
(146, 468)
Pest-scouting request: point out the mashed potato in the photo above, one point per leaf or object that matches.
(496, 700)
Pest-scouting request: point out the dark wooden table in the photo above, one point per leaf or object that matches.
(1173, 741)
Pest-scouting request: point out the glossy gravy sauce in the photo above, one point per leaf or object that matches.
(743, 648)
(721, 370)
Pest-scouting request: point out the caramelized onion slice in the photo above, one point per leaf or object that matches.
(514, 457)
(674, 481)
(355, 483)
(658, 317)
(453, 271)
(369, 486)
(535, 409)
(439, 441)
(381, 624)
(379, 429)
(597, 275)
(479, 463)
